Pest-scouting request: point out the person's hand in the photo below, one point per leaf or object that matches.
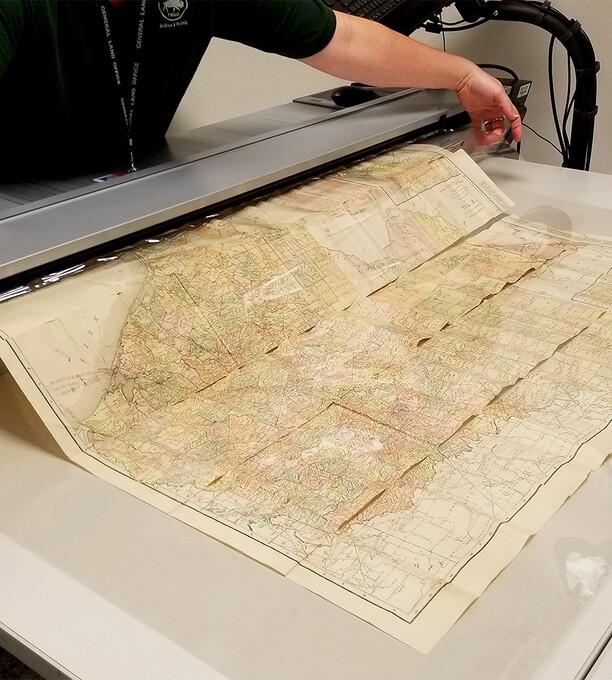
(485, 99)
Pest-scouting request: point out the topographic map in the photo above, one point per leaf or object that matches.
(341, 381)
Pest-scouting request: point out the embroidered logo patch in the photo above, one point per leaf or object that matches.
(172, 10)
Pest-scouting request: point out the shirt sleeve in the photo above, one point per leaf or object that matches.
(13, 19)
(291, 28)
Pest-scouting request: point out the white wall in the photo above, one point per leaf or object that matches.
(233, 80)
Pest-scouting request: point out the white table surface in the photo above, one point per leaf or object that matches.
(98, 585)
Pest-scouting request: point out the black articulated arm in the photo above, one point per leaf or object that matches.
(567, 31)
(571, 35)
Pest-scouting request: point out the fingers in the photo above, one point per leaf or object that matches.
(489, 129)
(489, 126)
(490, 135)
(514, 119)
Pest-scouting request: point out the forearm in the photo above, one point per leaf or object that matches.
(371, 53)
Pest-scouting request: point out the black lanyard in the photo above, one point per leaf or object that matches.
(128, 113)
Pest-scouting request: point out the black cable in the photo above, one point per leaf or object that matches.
(505, 69)
(589, 153)
(569, 103)
(537, 134)
(553, 99)
(453, 23)
(467, 26)
(566, 116)
(569, 83)
(443, 33)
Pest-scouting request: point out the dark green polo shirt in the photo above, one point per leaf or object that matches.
(59, 104)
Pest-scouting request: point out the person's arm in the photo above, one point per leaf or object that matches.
(368, 52)
(358, 49)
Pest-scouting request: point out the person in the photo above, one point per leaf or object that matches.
(90, 84)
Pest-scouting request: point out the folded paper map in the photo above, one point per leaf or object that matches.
(350, 382)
